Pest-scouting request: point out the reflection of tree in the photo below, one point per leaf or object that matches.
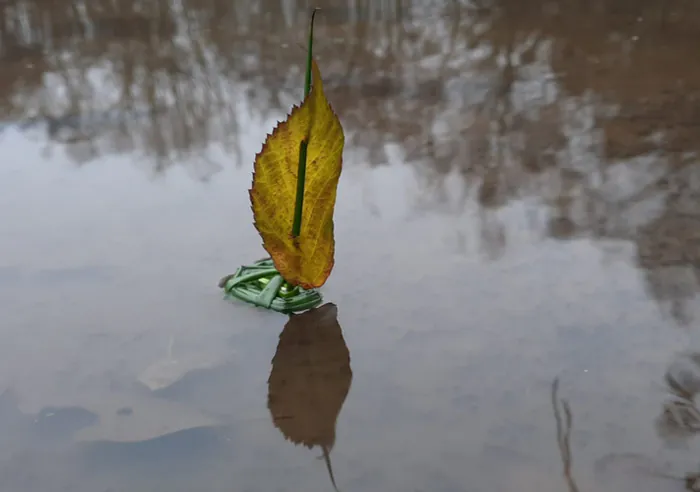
(162, 78)
(610, 152)
(111, 81)
(310, 379)
(111, 77)
(588, 109)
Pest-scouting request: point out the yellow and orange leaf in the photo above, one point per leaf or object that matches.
(306, 260)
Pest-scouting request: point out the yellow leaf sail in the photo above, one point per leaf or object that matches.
(306, 260)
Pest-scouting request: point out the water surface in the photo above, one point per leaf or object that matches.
(517, 239)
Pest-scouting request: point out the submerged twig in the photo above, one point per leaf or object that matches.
(564, 434)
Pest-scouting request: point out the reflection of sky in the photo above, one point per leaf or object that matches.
(101, 266)
(179, 119)
(448, 350)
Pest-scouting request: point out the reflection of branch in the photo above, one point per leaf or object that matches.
(563, 434)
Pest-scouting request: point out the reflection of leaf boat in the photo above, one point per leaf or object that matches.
(310, 379)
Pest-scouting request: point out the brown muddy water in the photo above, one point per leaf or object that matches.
(515, 297)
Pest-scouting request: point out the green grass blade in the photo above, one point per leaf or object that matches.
(301, 173)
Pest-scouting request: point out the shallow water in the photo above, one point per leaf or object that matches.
(518, 206)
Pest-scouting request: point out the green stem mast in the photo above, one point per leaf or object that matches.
(301, 172)
(261, 284)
